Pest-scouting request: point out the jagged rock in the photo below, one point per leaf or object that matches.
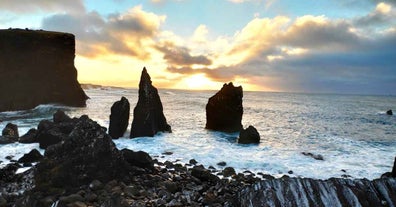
(48, 134)
(119, 118)
(389, 112)
(204, 174)
(33, 156)
(87, 153)
(392, 173)
(29, 137)
(148, 116)
(310, 192)
(224, 110)
(37, 67)
(139, 158)
(249, 135)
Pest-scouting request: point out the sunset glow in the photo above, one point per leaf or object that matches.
(334, 46)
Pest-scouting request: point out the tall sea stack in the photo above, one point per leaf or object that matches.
(37, 67)
(148, 115)
(224, 110)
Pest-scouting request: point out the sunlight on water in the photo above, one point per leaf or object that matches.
(352, 133)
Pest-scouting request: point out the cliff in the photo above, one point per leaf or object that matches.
(37, 67)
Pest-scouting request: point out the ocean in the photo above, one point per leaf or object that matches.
(352, 132)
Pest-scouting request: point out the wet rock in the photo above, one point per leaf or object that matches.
(389, 112)
(193, 162)
(33, 156)
(48, 134)
(60, 116)
(70, 199)
(96, 185)
(310, 192)
(315, 156)
(29, 137)
(38, 68)
(119, 118)
(148, 115)
(224, 110)
(139, 158)
(392, 173)
(222, 163)
(11, 131)
(228, 171)
(249, 135)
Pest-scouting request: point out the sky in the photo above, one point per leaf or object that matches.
(310, 46)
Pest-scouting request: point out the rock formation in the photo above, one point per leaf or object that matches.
(389, 112)
(86, 154)
(9, 134)
(119, 118)
(37, 67)
(249, 135)
(310, 192)
(148, 115)
(224, 110)
(29, 137)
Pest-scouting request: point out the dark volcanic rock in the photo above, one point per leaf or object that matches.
(11, 131)
(224, 110)
(389, 112)
(316, 157)
(249, 135)
(148, 116)
(394, 169)
(32, 156)
(29, 137)
(60, 116)
(119, 118)
(139, 158)
(37, 67)
(310, 192)
(48, 134)
(9, 134)
(86, 154)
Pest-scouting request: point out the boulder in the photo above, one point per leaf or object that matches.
(139, 159)
(249, 135)
(29, 137)
(9, 134)
(119, 118)
(86, 154)
(11, 131)
(224, 110)
(148, 115)
(389, 112)
(60, 116)
(37, 67)
(32, 156)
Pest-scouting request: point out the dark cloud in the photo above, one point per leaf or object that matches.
(29, 6)
(180, 56)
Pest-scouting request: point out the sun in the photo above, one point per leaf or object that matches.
(199, 82)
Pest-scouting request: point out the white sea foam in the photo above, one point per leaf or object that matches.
(348, 131)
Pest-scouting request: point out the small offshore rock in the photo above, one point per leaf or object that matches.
(249, 135)
(389, 112)
(119, 118)
(315, 156)
(222, 164)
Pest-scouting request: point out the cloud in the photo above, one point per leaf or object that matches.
(181, 56)
(383, 14)
(130, 33)
(29, 6)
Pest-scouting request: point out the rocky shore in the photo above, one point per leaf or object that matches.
(86, 169)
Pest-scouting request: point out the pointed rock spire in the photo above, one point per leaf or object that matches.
(148, 116)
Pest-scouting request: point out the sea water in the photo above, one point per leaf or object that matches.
(352, 132)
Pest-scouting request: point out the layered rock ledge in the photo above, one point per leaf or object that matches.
(37, 67)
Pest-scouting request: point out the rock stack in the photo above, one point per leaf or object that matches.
(37, 67)
(249, 135)
(119, 118)
(148, 115)
(224, 110)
